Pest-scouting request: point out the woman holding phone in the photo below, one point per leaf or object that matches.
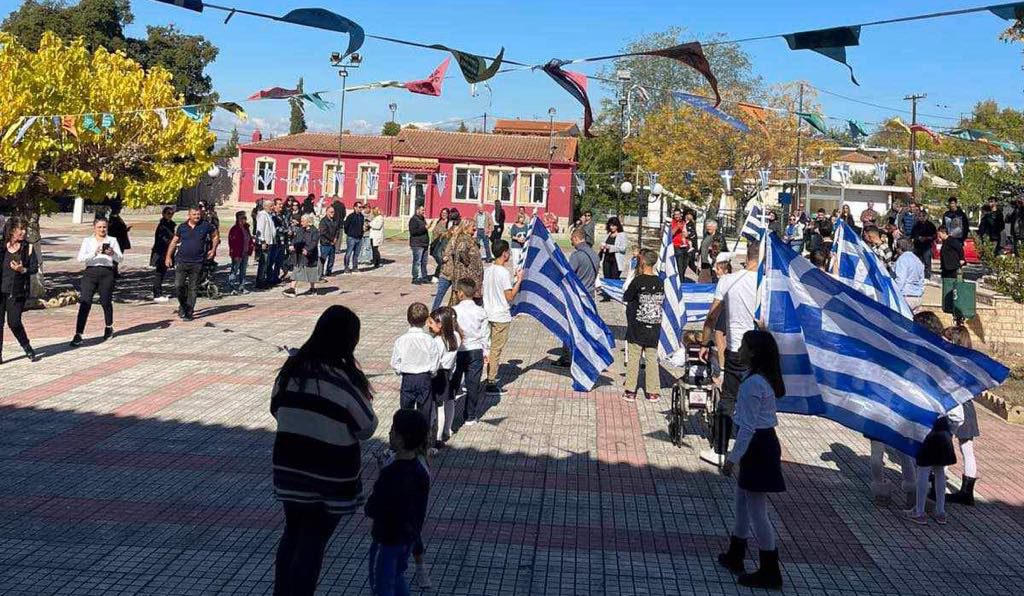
(19, 263)
(98, 253)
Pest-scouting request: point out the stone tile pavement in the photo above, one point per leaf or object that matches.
(142, 466)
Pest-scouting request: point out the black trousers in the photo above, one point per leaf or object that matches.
(469, 366)
(308, 528)
(159, 271)
(417, 393)
(11, 308)
(96, 279)
(682, 261)
(186, 282)
(732, 375)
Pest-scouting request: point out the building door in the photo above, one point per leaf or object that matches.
(412, 192)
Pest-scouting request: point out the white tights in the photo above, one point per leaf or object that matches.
(970, 464)
(445, 417)
(752, 514)
(922, 489)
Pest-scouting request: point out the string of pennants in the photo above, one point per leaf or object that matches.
(829, 42)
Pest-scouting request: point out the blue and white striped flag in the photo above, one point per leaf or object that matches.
(697, 298)
(552, 294)
(673, 309)
(853, 360)
(754, 227)
(856, 265)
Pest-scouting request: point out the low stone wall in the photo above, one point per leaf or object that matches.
(999, 324)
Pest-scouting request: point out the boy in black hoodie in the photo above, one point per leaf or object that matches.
(398, 505)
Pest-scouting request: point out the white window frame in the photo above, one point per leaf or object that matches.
(256, 175)
(529, 191)
(328, 183)
(364, 171)
(470, 168)
(293, 187)
(487, 188)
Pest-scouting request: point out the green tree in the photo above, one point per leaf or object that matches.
(297, 118)
(101, 23)
(230, 148)
(598, 162)
(391, 129)
(462, 127)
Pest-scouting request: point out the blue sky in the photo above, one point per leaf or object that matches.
(956, 61)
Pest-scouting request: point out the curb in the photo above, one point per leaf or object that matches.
(999, 407)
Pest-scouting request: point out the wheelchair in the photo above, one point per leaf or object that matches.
(694, 397)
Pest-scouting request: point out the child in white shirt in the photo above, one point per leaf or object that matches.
(416, 357)
(444, 326)
(474, 350)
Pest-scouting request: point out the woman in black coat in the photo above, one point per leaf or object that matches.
(20, 262)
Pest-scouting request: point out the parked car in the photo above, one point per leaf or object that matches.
(970, 251)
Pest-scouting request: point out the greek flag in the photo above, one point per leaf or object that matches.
(754, 227)
(858, 266)
(696, 298)
(552, 294)
(853, 360)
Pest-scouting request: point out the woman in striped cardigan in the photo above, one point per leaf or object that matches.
(322, 403)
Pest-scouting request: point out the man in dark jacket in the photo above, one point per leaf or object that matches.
(990, 228)
(161, 240)
(328, 242)
(923, 234)
(1016, 221)
(419, 241)
(355, 225)
(951, 255)
(955, 220)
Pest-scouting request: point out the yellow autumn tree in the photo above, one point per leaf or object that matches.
(135, 156)
(678, 138)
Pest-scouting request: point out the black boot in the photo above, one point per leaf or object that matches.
(108, 332)
(732, 559)
(964, 496)
(30, 353)
(768, 576)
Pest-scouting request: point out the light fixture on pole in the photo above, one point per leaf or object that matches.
(394, 108)
(343, 64)
(551, 154)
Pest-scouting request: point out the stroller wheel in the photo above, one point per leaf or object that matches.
(213, 292)
(677, 400)
(675, 431)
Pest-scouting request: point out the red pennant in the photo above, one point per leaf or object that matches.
(432, 84)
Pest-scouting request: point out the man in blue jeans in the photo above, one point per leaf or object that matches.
(482, 238)
(419, 241)
(355, 226)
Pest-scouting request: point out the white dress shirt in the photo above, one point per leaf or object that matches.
(755, 410)
(447, 356)
(89, 253)
(415, 352)
(473, 322)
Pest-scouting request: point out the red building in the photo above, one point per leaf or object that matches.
(438, 169)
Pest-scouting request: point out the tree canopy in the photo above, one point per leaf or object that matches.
(391, 129)
(297, 115)
(130, 154)
(101, 23)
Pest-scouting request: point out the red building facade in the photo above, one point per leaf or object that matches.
(437, 169)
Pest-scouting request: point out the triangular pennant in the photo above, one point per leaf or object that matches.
(814, 120)
(12, 129)
(432, 84)
(474, 183)
(576, 84)
(196, 5)
(371, 181)
(581, 184)
(831, 43)
(689, 176)
(805, 174)
(958, 163)
(107, 121)
(320, 18)
(192, 112)
(898, 122)
(692, 55)
(726, 176)
(561, 189)
(702, 103)
(925, 130)
(315, 99)
(89, 124)
(757, 113)
(1009, 12)
(20, 134)
(161, 115)
(67, 123)
(856, 129)
(235, 109)
(474, 68)
(881, 169)
(440, 181)
(765, 174)
(652, 179)
(274, 93)
(918, 170)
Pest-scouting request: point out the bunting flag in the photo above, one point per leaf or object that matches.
(1008, 146)
(844, 172)
(407, 183)
(856, 129)
(880, 171)
(274, 93)
(317, 100)
(440, 181)
(192, 112)
(757, 113)
(805, 174)
(925, 130)
(107, 121)
(765, 174)
(692, 55)
(581, 184)
(432, 84)
(474, 183)
(726, 176)
(196, 5)
(701, 103)
(901, 124)
(235, 109)
(561, 188)
(319, 18)
(267, 178)
(67, 123)
(474, 68)
(1009, 12)
(576, 84)
(161, 115)
(89, 124)
(372, 178)
(652, 179)
(918, 170)
(958, 163)
(689, 176)
(17, 130)
(1000, 161)
(815, 120)
(831, 43)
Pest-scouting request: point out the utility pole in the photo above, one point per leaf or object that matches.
(624, 76)
(913, 141)
(485, 122)
(796, 187)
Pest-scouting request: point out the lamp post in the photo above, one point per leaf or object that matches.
(339, 61)
(394, 108)
(551, 157)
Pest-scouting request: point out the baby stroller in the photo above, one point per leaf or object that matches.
(207, 281)
(694, 395)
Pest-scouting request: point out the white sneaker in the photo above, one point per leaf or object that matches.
(422, 578)
(161, 299)
(471, 422)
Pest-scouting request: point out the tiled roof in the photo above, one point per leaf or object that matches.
(856, 157)
(430, 143)
(539, 127)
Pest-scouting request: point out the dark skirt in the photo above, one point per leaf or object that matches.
(761, 465)
(969, 429)
(937, 450)
(439, 386)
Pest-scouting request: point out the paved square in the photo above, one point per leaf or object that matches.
(142, 466)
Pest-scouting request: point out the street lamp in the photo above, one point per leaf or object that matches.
(551, 155)
(338, 60)
(394, 108)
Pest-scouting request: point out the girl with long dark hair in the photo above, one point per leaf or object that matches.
(759, 455)
(19, 263)
(444, 325)
(322, 403)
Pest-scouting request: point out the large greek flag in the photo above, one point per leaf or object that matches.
(856, 265)
(552, 294)
(851, 359)
(696, 298)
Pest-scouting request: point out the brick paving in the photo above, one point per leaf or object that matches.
(142, 466)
